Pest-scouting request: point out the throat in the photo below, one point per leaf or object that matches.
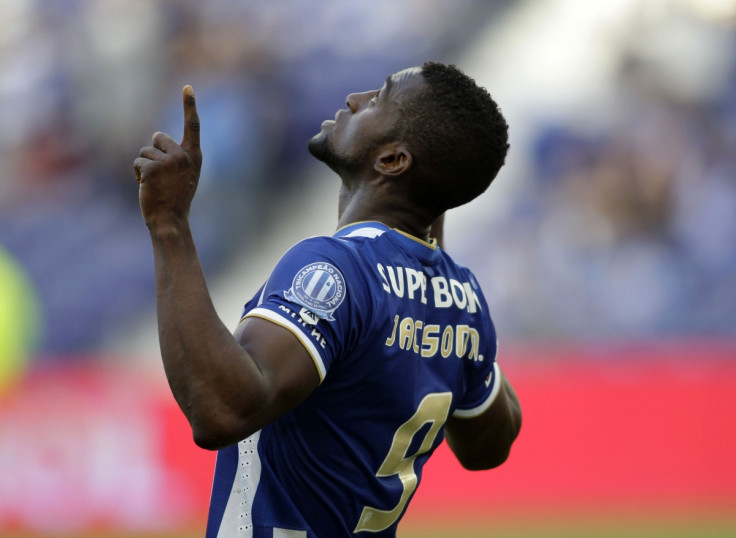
(364, 205)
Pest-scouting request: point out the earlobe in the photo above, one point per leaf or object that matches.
(393, 161)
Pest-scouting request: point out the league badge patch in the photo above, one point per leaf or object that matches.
(318, 287)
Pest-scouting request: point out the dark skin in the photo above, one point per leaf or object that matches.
(231, 385)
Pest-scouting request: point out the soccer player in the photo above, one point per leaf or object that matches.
(362, 350)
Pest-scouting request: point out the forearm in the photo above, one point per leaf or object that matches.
(227, 385)
(513, 411)
(212, 378)
(485, 441)
(502, 432)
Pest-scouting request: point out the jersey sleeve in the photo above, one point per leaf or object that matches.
(482, 378)
(312, 293)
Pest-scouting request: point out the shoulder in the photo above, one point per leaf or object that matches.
(323, 245)
(322, 253)
(351, 254)
(320, 272)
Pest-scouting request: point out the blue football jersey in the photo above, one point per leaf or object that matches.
(402, 338)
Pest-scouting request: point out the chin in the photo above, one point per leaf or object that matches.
(319, 147)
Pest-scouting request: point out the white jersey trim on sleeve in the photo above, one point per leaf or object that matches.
(476, 411)
(269, 315)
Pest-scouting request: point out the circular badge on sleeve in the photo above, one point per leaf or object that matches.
(318, 287)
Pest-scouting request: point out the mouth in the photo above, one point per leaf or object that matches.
(331, 123)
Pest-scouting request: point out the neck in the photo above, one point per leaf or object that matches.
(369, 205)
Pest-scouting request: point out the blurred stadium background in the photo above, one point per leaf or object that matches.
(607, 246)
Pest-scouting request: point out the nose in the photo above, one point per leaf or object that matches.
(356, 100)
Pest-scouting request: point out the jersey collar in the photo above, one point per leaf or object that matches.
(425, 251)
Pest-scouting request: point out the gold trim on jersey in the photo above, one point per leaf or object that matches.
(431, 244)
(269, 315)
(432, 241)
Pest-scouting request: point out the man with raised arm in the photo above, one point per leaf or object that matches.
(362, 350)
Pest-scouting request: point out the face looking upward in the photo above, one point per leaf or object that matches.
(348, 144)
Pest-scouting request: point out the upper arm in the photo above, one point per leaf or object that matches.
(287, 369)
(484, 441)
(291, 332)
(272, 375)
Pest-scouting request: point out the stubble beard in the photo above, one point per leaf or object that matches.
(322, 149)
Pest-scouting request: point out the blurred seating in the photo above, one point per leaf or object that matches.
(85, 84)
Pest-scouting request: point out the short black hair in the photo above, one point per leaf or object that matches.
(457, 135)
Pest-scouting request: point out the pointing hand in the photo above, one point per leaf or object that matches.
(168, 172)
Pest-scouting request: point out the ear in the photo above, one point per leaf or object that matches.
(393, 160)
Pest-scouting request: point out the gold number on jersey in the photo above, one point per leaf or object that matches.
(433, 408)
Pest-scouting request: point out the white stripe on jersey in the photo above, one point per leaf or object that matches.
(237, 521)
(313, 280)
(365, 232)
(470, 413)
(326, 287)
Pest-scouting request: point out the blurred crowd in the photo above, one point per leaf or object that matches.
(626, 226)
(84, 84)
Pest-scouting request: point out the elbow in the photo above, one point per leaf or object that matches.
(217, 423)
(490, 459)
(208, 440)
(493, 452)
(485, 442)
(501, 450)
(215, 433)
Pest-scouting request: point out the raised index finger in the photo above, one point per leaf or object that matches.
(190, 141)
